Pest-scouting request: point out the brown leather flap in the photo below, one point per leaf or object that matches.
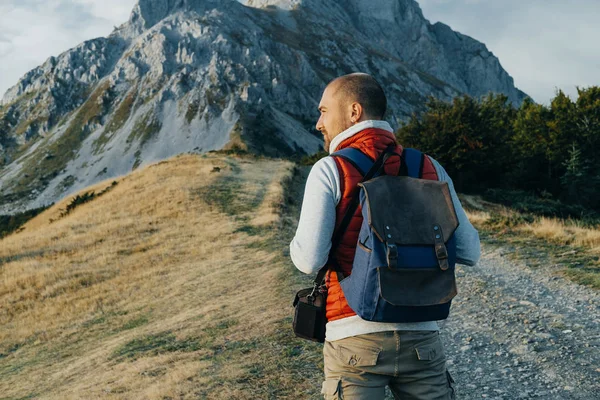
(408, 209)
(417, 286)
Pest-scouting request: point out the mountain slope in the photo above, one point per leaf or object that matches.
(173, 284)
(199, 75)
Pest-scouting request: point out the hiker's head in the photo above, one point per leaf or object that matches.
(348, 100)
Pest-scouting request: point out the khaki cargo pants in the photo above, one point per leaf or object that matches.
(411, 363)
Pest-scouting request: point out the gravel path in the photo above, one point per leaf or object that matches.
(515, 332)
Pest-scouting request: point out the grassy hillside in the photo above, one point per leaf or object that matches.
(571, 247)
(175, 283)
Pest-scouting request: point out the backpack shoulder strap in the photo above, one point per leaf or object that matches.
(413, 160)
(363, 163)
(357, 158)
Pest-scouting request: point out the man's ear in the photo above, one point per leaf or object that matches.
(356, 112)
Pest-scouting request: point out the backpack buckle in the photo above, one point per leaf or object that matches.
(441, 253)
(392, 256)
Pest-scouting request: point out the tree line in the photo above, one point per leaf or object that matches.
(547, 151)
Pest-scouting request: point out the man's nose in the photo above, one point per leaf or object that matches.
(319, 124)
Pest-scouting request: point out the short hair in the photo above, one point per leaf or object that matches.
(364, 89)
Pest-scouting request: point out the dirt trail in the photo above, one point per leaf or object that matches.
(515, 332)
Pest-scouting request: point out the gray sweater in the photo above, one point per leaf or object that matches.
(310, 247)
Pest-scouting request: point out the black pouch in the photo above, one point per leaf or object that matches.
(309, 315)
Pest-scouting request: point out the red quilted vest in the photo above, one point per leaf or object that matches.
(372, 142)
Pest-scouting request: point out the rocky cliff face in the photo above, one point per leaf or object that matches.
(198, 75)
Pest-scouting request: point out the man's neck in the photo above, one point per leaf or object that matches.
(356, 128)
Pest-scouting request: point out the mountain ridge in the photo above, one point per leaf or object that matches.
(199, 75)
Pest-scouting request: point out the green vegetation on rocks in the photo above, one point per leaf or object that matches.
(192, 111)
(121, 114)
(42, 167)
(145, 128)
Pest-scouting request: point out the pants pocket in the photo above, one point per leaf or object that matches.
(332, 389)
(353, 356)
(430, 349)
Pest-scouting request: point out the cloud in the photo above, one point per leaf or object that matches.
(543, 44)
(33, 30)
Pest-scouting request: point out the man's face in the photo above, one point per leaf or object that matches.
(335, 115)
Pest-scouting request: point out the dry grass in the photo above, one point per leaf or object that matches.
(169, 285)
(569, 243)
(569, 232)
(559, 231)
(478, 217)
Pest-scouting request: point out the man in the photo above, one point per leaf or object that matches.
(362, 357)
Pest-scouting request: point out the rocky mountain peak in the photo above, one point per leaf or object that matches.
(283, 4)
(202, 75)
(385, 10)
(150, 12)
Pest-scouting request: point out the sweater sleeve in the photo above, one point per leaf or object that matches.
(468, 247)
(309, 250)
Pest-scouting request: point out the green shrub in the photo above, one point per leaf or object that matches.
(312, 159)
(82, 199)
(12, 223)
(541, 205)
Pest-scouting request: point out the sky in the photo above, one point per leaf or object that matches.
(33, 30)
(544, 45)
